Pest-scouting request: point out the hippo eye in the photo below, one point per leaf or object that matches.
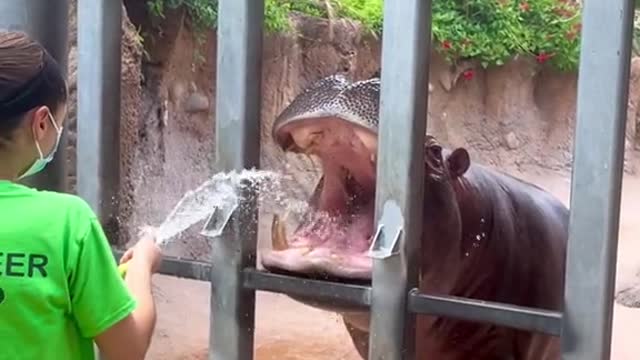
(436, 152)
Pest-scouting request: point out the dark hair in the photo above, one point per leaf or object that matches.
(29, 77)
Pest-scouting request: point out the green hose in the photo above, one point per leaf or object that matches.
(122, 268)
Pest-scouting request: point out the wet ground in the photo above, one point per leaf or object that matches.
(287, 330)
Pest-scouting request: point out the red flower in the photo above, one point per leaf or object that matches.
(446, 44)
(468, 74)
(563, 12)
(524, 6)
(543, 57)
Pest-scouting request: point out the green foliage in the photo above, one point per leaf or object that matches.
(491, 31)
(636, 32)
(204, 13)
(367, 12)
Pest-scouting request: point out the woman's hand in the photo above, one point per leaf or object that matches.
(145, 251)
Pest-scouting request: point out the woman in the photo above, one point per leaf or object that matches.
(60, 289)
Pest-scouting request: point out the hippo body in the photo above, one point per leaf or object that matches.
(487, 235)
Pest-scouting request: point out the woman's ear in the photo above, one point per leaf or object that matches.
(458, 162)
(40, 122)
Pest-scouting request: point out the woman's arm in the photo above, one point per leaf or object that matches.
(131, 337)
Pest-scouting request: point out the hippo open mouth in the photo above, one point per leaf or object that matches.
(333, 241)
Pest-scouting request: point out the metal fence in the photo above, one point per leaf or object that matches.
(46, 21)
(585, 325)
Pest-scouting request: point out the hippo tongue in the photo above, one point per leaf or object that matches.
(326, 246)
(334, 196)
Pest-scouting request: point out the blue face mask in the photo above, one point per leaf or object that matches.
(42, 161)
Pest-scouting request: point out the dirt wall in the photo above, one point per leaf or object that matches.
(519, 116)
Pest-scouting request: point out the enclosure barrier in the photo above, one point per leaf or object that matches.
(46, 21)
(585, 326)
(98, 81)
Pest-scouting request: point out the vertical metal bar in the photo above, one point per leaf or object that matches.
(403, 107)
(46, 21)
(597, 176)
(238, 104)
(98, 119)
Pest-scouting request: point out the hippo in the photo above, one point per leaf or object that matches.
(486, 235)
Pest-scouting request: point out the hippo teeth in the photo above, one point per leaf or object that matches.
(278, 234)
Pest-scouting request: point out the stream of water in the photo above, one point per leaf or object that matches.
(222, 194)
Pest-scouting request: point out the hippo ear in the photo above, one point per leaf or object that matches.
(458, 162)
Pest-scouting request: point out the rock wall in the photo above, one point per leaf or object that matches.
(518, 117)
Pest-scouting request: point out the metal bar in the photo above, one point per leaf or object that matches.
(46, 22)
(98, 119)
(603, 87)
(518, 317)
(400, 173)
(182, 268)
(352, 295)
(355, 295)
(238, 101)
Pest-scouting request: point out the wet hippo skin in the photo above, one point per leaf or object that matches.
(487, 235)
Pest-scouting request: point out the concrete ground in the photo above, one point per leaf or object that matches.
(287, 330)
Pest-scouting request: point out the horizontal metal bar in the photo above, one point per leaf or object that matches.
(518, 317)
(355, 295)
(187, 269)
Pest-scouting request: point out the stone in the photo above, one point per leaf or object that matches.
(511, 140)
(196, 102)
(176, 92)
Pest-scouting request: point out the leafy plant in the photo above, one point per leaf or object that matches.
(494, 31)
(491, 31)
(636, 33)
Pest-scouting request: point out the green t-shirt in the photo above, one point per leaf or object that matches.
(59, 283)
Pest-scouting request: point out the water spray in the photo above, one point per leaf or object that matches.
(216, 200)
(213, 227)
